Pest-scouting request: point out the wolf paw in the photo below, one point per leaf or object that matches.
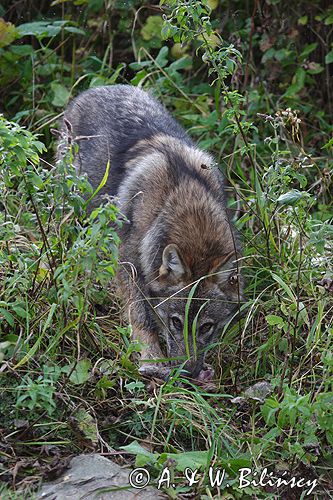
(206, 378)
(207, 373)
(155, 371)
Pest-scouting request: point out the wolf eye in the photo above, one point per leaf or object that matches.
(206, 328)
(176, 322)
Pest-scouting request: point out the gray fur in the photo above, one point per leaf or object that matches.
(178, 231)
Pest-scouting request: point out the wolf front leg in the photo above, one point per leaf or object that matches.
(150, 353)
(140, 314)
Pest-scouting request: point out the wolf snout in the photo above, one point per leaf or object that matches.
(191, 368)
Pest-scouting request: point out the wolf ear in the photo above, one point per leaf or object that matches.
(223, 269)
(172, 264)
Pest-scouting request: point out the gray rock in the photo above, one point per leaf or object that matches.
(257, 392)
(95, 477)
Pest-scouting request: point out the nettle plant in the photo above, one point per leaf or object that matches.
(55, 259)
(189, 22)
(303, 422)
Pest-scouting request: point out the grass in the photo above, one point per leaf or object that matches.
(69, 378)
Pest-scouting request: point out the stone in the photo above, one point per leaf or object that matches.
(95, 477)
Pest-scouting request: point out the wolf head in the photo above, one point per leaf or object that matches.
(192, 311)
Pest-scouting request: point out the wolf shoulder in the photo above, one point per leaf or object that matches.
(114, 124)
(122, 115)
(147, 149)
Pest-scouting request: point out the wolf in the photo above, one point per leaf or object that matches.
(179, 255)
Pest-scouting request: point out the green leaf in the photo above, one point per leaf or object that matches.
(87, 425)
(269, 54)
(35, 179)
(80, 374)
(182, 63)
(329, 57)
(40, 29)
(328, 144)
(191, 459)
(168, 30)
(303, 20)
(39, 146)
(102, 184)
(162, 57)
(134, 385)
(297, 83)
(268, 411)
(329, 20)
(7, 316)
(60, 95)
(22, 50)
(274, 320)
(303, 314)
(139, 65)
(105, 383)
(283, 344)
(113, 78)
(140, 75)
(73, 29)
(282, 54)
(285, 287)
(136, 449)
(233, 465)
(142, 461)
(291, 197)
(8, 33)
(152, 28)
(20, 311)
(310, 47)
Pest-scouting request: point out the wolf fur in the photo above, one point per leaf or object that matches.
(178, 233)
